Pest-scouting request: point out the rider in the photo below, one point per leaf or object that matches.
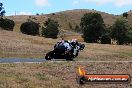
(74, 44)
(67, 46)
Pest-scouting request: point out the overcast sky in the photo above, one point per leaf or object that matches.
(28, 7)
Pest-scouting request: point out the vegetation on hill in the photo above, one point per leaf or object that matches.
(50, 29)
(69, 22)
(94, 29)
(6, 24)
(120, 31)
(125, 14)
(74, 17)
(92, 25)
(30, 28)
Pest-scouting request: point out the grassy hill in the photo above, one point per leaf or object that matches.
(13, 44)
(59, 74)
(64, 18)
(73, 17)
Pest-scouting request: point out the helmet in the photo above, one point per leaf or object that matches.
(74, 40)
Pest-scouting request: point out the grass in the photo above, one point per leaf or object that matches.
(41, 76)
(57, 74)
(17, 45)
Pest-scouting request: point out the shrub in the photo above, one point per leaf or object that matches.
(7, 24)
(125, 14)
(51, 29)
(92, 25)
(105, 39)
(30, 28)
(120, 30)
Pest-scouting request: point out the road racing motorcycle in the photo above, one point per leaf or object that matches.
(61, 53)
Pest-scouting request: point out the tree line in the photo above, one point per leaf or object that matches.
(95, 31)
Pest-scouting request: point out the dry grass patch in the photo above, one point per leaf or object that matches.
(14, 44)
(102, 52)
(57, 74)
(19, 45)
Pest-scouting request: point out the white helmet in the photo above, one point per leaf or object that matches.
(74, 40)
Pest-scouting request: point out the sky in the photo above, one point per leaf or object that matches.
(31, 7)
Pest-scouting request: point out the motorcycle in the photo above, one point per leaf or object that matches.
(61, 53)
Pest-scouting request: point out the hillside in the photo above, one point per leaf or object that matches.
(64, 18)
(14, 44)
(73, 17)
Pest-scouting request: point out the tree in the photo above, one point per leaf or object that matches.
(125, 14)
(7, 24)
(2, 11)
(92, 25)
(129, 35)
(51, 29)
(105, 39)
(120, 30)
(37, 14)
(30, 28)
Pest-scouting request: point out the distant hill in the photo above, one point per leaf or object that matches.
(73, 17)
(66, 18)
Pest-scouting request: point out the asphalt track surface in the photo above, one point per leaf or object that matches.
(36, 60)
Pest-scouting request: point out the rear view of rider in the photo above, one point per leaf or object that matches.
(74, 44)
(59, 47)
(67, 46)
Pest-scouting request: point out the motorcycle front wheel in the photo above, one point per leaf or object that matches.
(49, 56)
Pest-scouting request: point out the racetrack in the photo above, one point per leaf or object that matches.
(36, 60)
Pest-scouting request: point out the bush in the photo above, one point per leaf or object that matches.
(30, 28)
(120, 30)
(7, 24)
(128, 40)
(92, 25)
(105, 39)
(51, 29)
(125, 14)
